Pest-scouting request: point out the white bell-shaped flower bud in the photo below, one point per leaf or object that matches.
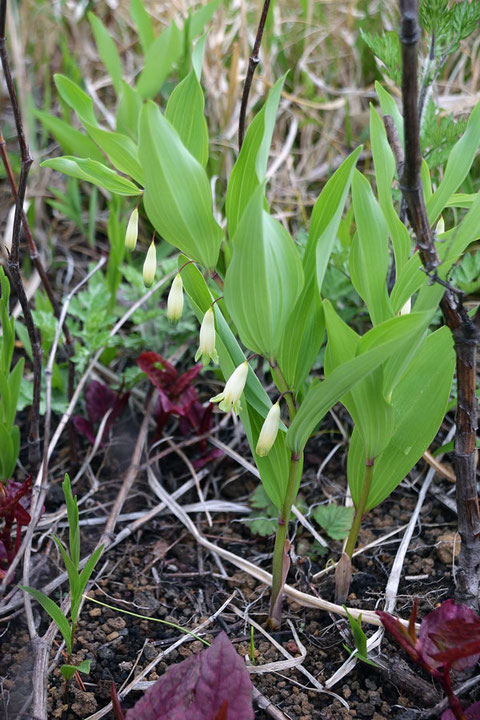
(229, 399)
(175, 300)
(269, 431)
(206, 348)
(132, 231)
(150, 265)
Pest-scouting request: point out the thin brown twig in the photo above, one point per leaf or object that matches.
(13, 261)
(252, 65)
(465, 331)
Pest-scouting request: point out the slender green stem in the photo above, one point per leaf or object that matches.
(360, 509)
(282, 530)
(282, 385)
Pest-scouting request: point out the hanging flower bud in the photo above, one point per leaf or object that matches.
(229, 399)
(175, 300)
(440, 226)
(132, 231)
(269, 431)
(150, 265)
(207, 349)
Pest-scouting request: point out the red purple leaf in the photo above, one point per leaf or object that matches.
(185, 380)
(14, 500)
(85, 427)
(471, 713)
(99, 399)
(450, 635)
(222, 713)
(399, 633)
(117, 710)
(159, 370)
(213, 685)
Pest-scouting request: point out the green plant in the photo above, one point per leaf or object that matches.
(359, 638)
(268, 295)
(9, 386)
(77, 582)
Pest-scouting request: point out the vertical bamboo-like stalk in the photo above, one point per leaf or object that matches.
(465, 329)
(252, 65)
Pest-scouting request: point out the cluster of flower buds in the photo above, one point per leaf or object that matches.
(131, 236)
(229, 399)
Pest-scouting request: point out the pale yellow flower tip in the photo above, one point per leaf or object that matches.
(132, 231)
(150, 265)
(229, 399)
(269, 431)
(175, 300)
(206, 348)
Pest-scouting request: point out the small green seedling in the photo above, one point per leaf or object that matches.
(77, 581)
(252, 646)
(359, 638)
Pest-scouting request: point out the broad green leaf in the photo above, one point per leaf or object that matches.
(462, 200)
(55, 613)
(250, 168)
(390, 107)
(94, 172)
(459, 163)
(426, 179)
(368, 260)
(128, 111)
(178, 197)
(68, 671)
(70, 139)
(326, 216)
(263, 280)
(385, 172)
(366, 402)
(336, 520)
(185, 112)
(454, 243)
(162, 55)
(76, 98)
(303, 336)
(14, 380)
(410, 279)
(197, 55)
(120, 149)
(7, 459)
(379, 343)
(107, 50)
(144, 24)
(419, 401)
(198, 20)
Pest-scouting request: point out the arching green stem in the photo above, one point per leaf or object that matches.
(282, 385)
(360, 508)
(280, 553)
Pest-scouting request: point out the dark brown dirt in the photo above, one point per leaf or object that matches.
(162, 574)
